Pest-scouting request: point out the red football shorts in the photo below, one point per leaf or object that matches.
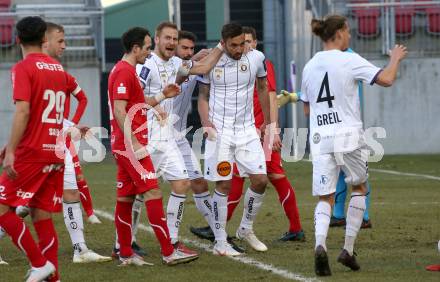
(38, 185)
(130, 181)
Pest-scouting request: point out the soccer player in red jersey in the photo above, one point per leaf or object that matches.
(275, 171)
(33, 174)
(136, 173)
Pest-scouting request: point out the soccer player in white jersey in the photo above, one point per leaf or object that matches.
(329, 88)
(181, 107)
(159, 70)
(232, 136)
(71, 195)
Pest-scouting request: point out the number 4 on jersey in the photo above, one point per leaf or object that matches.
(328, 97)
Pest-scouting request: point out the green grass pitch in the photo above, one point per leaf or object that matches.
(405, 213)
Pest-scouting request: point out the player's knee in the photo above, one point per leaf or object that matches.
(4, 209)
(153, 194)
(39, 214)
(328, 198)
(199, 185)
(361, 188)
(223, 186)
(70, 196)
(126, 199)
(181, 186)
(259, 183)
(80, 177)
(275, 176)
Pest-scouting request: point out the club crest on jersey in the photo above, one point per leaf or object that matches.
(243, 67)
(224, 168)
(218, 72)
(316, 138)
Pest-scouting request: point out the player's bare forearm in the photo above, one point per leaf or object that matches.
(388, 75)
(273, 107)
(206, 64)
(151, 101)
(203, 103)
(19, 124)
(120, 116)
(264, 100)
(81, 108)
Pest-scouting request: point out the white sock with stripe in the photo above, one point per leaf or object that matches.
(175, 207)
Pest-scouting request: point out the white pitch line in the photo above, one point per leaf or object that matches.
(405, 173)
(243, 259)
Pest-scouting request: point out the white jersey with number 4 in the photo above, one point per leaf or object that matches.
(232, 83)
(330, 85)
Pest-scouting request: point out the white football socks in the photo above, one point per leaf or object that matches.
(175, 207)
(219, 215)
(75, 225)
(322, 221)
(355, 214)
(204, 205)
(136, 215)
(252, 204)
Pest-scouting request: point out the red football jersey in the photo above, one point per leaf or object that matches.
(41, 81)
(271, 86)
(124, 84)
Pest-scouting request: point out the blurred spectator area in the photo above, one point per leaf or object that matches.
(378, 25)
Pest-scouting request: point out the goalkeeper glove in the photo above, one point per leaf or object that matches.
(287, 97)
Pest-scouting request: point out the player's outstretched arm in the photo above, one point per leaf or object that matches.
(388, 75)
(19, 124)
(207, 63)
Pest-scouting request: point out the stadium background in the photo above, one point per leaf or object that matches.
(405, 206)
(408, 111)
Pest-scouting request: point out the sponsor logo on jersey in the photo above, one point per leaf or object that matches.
(24, 195)
(316, 138)
(224, 168)
(122, 89)
(144, 72)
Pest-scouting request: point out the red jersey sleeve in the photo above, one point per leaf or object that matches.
(271, 81)
(21, 83)
(122, 86)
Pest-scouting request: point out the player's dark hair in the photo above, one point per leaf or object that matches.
(31, 30)
(53, 26)
(326, 28)
(163, 25)
(134, 36)
(231, 30)
(183, 34)
(250, 30)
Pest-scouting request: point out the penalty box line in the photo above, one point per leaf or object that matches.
(243, 259)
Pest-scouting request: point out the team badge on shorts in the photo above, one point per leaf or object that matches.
(224, 168)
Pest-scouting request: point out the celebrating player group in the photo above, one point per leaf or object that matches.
(149, 96)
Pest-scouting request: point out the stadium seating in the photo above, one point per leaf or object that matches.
(7, 37)
(368, 22)
(404, 17)
(433, 20)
